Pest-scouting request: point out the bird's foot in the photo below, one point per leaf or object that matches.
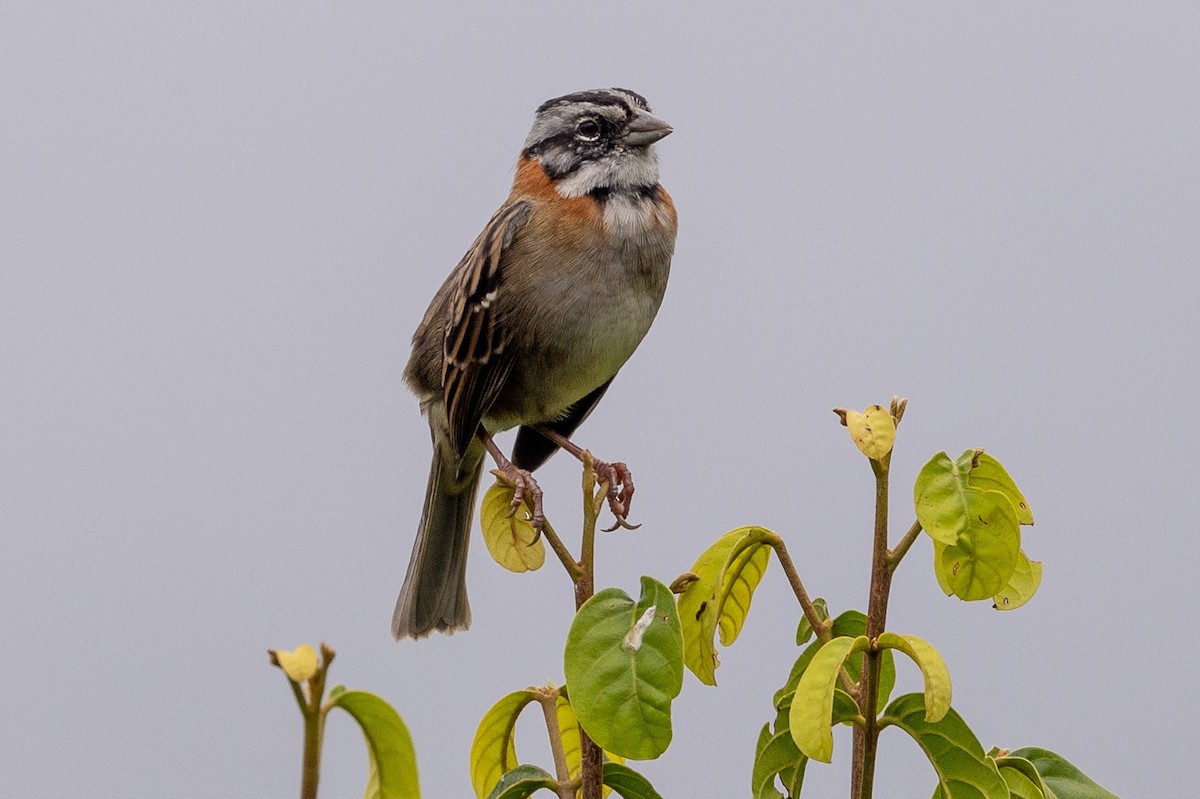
(523, 483)
(620, 491)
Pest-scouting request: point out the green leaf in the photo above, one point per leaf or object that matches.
(624, 665)
(805, 631)
(982, 560)
(521, 782)
(1060, 776)
(628, 783)
(389, 746)
(493, 752)
(747, 563)
(1019, 786)
(940, 494)
(933, 670)
(938, 497)
(812, 707)
(777, 757)
(699, 610)
(852, 623)
(964, 771)
(988, 475)
(568, 727)
(1024, 583)
(1022, 778)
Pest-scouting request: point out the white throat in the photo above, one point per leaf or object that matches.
(620, 169)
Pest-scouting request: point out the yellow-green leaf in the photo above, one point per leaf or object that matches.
(933, 670)
(1024, 583)
(390, 751)
(493, 753)
(812, 704)
(980, 562)
(699, 609)
(943, 577)
(299, 664)
(873, 431)
(512, 542)
(987, 474)
(747, 563)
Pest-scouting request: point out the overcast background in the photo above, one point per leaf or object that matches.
(220, 223)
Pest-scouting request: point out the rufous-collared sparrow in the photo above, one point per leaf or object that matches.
(532, 325)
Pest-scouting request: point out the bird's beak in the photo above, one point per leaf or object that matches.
(646, 129)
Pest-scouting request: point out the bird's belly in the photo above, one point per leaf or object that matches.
(585, 351)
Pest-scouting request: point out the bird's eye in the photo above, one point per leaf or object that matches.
(587, 130)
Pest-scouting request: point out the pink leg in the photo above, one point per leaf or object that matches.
(616, 475)
(521, 479)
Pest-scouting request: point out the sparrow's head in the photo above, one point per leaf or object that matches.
(598, 139)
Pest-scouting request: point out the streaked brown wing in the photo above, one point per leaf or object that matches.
(474, 363)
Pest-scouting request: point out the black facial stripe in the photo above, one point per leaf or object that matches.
(649, 192)
(578, 153)
(594, 97)
(601, 194)
(637, 98)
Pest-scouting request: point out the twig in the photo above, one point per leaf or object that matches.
(548, 699)
(897, 553)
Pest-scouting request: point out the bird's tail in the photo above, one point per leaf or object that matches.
(434, 596)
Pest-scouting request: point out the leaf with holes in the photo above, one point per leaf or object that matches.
(982, 560)
(987, 474)
(698, 607)
(1024, 583)
(747, 563)
(873, 431)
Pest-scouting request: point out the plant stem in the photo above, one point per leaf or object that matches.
(897, 553)
(822, 629)
(311, 768)
(785, 560)
(314, 726)
(591, 760)
(548, 699)
(560, 549)
(866, 737)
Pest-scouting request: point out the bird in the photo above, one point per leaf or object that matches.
(531, 326)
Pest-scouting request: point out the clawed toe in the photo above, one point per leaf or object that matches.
(523, 483)
(620, 492)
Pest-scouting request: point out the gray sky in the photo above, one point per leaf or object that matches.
(220, 223)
